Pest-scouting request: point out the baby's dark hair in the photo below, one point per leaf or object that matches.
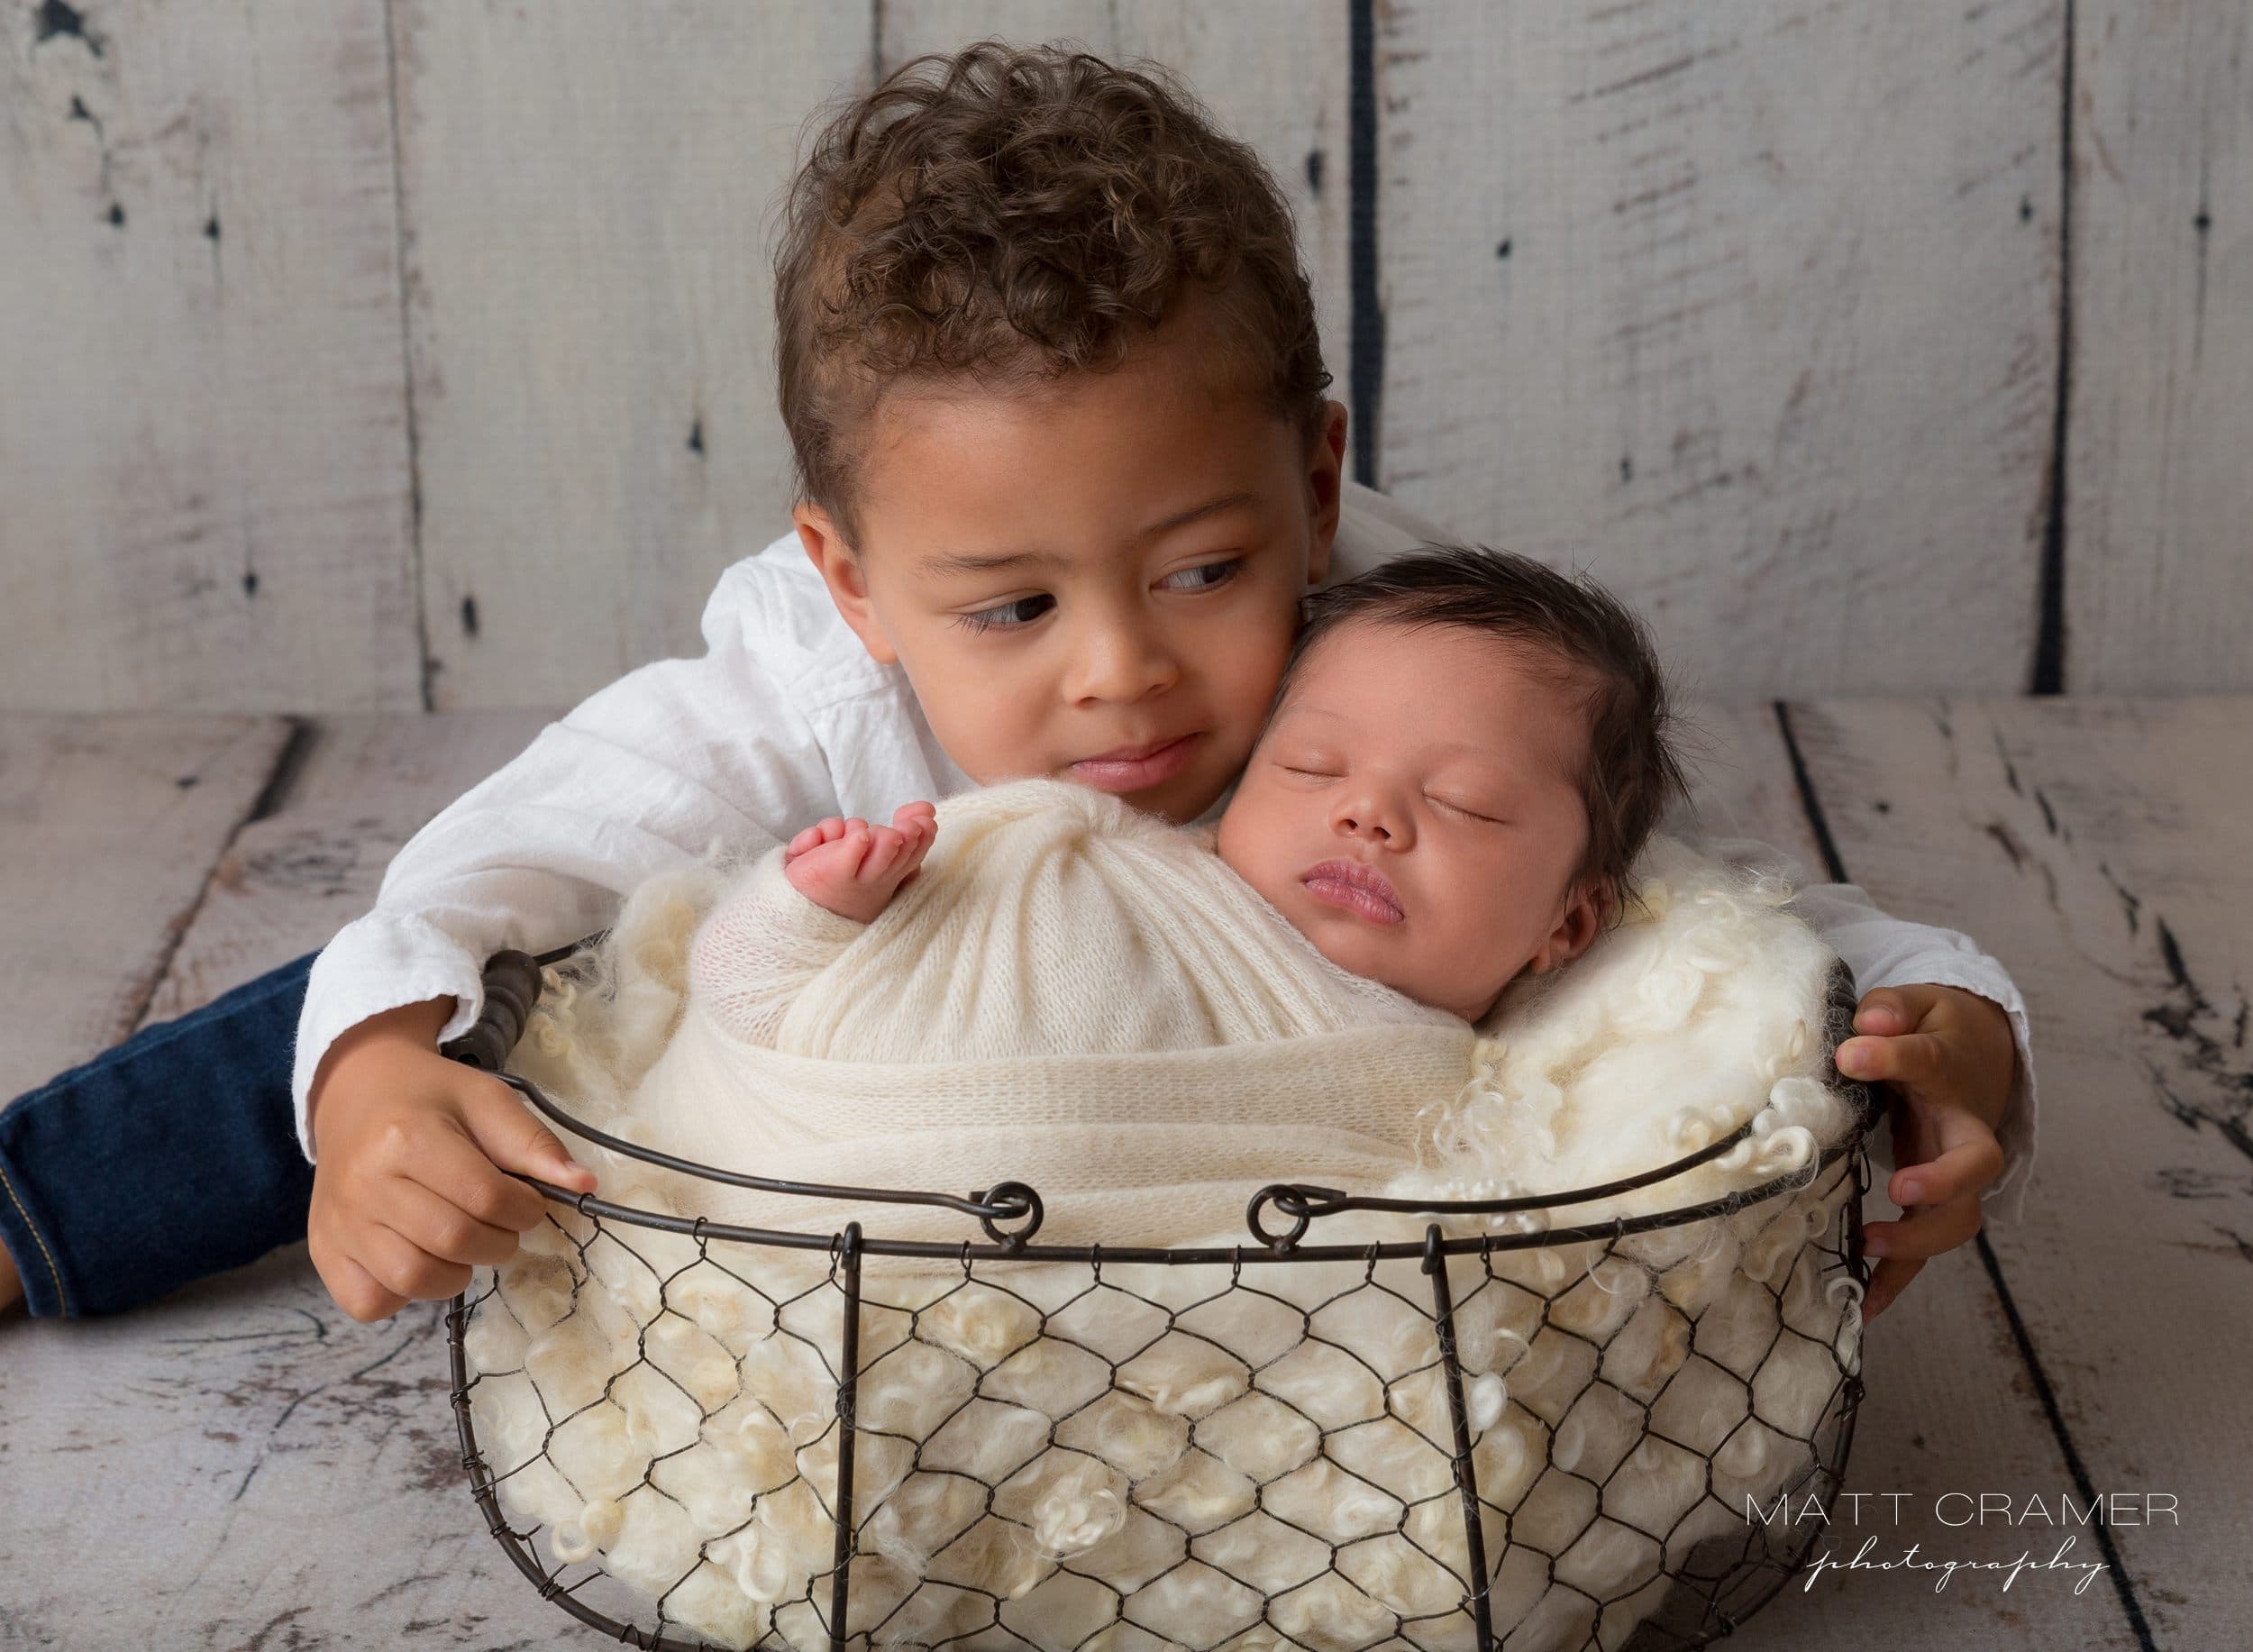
(1010, 215)
(1587, 634)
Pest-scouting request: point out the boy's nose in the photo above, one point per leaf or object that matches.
(1122, 664)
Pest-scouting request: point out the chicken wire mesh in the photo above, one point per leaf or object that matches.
(1531, 1436)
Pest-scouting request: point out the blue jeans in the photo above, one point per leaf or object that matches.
(170, 1157)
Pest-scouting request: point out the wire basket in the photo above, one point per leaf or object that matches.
(1537, 1435)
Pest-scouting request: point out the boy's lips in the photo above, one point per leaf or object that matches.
(1135, 768)
(1356, 888)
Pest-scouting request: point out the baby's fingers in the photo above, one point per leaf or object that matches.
(884, 851)
(821, 832)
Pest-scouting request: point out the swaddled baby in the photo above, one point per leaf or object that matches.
(1467, 753)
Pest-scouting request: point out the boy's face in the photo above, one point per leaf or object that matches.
(1098, 580)
(1415, 811)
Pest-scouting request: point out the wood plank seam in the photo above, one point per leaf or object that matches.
(2047, 672)
(425, 671)
(2123, 1586)
(1366, 347)
(289, 762)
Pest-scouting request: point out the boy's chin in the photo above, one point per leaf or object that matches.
(1181, 799)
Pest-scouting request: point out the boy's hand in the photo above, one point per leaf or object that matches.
(412, 1184)
(852, 868)
(1948, 1057)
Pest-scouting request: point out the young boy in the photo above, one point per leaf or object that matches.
(1050, 369)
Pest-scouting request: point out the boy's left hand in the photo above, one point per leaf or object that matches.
(1950, 1062)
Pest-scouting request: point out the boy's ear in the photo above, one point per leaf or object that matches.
(826, 547)
(1586, 906)
(1325, 478)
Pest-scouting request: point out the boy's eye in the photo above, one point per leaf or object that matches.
(1007, 616)
(1459, 809)
(1205, 576)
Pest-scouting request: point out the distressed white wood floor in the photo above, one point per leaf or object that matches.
(243, 1466)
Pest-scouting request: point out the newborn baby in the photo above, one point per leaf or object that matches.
(1465, 754)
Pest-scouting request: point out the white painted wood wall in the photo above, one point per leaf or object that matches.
(375, 354)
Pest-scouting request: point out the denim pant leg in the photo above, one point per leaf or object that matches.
(172, 1156)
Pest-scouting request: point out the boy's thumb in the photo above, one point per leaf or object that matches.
(506, 1133)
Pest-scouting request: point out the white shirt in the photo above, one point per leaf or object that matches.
(785, 719)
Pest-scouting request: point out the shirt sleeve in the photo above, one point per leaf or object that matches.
(760, 945)
(1891, 952)
(663, 765)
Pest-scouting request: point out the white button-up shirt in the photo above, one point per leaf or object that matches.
(785, 719)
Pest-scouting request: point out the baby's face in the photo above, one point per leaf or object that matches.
(1415, 810)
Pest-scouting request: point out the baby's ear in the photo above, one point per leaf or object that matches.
(841, 571)
(1588, 905)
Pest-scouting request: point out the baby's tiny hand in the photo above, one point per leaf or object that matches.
(854, 869)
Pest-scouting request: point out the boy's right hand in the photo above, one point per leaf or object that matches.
(412, 1185)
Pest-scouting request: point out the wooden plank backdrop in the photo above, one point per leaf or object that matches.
(364, 355)
(205, 499)
(2158, 587)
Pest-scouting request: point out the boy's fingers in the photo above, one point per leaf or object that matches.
(1929, 1230)
(1884, 1011)
(352, 1287)
(463, 1175)
(404, 1267)
(510, 1136)
(1903, 1058)
(441, 1228)
(1888, 1280)
(1966, 1164)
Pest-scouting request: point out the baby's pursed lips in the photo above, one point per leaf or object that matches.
(1353, 875)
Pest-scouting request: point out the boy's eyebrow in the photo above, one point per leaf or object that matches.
(1196, 513)
(965, 563)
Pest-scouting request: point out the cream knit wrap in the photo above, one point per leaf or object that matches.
(1071, 994)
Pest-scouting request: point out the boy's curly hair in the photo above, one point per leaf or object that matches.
(1581, 632)
(1010, 216)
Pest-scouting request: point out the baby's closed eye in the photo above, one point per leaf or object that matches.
(1464, 808)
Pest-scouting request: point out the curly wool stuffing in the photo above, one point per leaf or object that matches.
(1041, 1459)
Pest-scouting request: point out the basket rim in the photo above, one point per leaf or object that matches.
(1265, 1248)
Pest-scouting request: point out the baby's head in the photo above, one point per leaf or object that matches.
(1467, 754)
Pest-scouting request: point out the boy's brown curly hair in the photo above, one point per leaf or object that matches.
(1010, 215)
